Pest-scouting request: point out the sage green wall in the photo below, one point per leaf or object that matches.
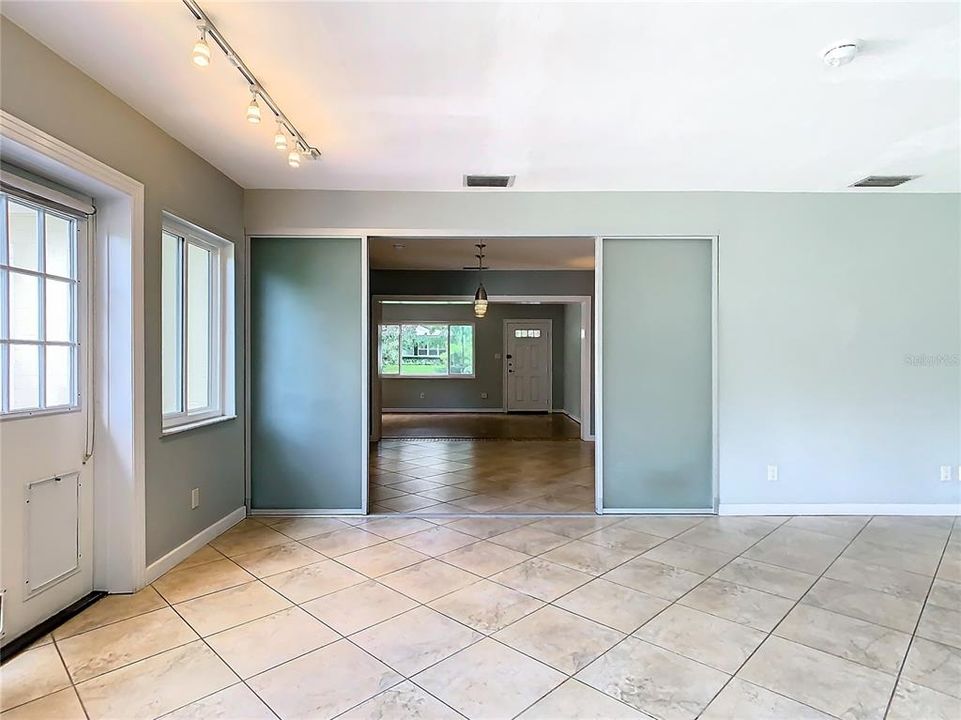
(572, 359)
(306, 372)
(839, 319)
(44, 90)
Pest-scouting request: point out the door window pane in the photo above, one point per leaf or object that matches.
(59, 375)
(461, 349)
(171, 316)
(58, 245)
(198, 327)
(24, 307)
(23, 236)
(59, 311)
(24, 377)
(389, 349)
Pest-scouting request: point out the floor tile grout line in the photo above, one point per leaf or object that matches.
(73, 685)
(917, 624)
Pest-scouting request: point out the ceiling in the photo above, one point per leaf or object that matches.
(514, 253)
(567, 96)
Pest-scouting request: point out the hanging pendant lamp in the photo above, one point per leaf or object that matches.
(480, 297)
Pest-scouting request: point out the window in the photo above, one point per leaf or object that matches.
(427, 350)
(197, 325)
(38, 309)
(527, 333)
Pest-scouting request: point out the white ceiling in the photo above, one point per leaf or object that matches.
(567, 96)
(515, 253)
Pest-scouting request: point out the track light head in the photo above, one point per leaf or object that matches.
(293, 157)
(280, 138)
(253, 110)
(201, 54)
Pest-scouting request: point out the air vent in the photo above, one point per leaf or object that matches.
(488, 181)
(883, 181)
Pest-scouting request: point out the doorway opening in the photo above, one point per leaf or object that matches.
(489, 414)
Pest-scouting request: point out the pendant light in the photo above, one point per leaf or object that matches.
(293, 157)
(201, 55)
(280, 138)
(480, 297)
(253, 110)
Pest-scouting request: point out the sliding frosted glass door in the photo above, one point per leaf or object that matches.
(307, 368)
(657, 374)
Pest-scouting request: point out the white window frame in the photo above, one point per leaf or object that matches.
(77, 225)
(220, 375)
(429, 323)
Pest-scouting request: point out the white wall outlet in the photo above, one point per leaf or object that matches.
(772, 473)
(945, 473)
(195, 498)
(483, 396)
(422, 396)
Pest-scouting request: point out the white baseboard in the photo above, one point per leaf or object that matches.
(440, 410)
(178, 554)
(312, 512)
(841, 509)
(572, 416)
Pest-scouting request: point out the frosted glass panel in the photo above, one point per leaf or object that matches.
(23, 236)
(58, 245)
(59, 375)
(24, 307)
(198, 327)
(657, 374)
(24, 377)
(59, 311)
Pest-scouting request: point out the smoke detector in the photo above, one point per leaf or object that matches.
(841, 54)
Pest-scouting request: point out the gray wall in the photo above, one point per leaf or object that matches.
(465, 393)
(497, 282)
(49, 93)
(572, 359)
(833, 308)
(305, 374)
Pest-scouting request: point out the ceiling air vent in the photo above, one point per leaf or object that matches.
(883, 181)
(488, 181)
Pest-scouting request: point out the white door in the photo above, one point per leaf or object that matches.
(47, 489)
(527, 359)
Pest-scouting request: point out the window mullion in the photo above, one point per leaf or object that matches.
(182, 315)
(42, 305)
(448, 349)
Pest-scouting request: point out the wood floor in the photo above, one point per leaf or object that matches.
(441, 477)
(487, 426)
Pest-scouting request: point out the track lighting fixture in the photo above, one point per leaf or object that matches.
(201, 55)
(280, 137)
(253, 110)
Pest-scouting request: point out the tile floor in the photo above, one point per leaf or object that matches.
(433, 477)
(537, 618)
(497, 426)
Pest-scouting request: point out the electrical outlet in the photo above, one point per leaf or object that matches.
(195, 498)
(483, 396)
(772, 473)
(945, 473)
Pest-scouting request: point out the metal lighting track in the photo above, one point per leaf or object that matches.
(250, 78)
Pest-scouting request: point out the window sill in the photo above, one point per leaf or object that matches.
(177, 429)
(428, 377)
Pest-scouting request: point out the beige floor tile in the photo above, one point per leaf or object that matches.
(323, 683)
(741, 700)
(352, 609)
(156, 685)
(556, 637)
(277, 559)
(902, 584)
(756, 609)
(225, 609)
(710, 640)
(654, 680)
(179, 585)
(663, 581)
(914, 702)
(486, 606)
(112, 646)
(864, 604)
(772, 579)
(574, 527)
(235, 542)
(934, 665)
(941, 625)
(61, 705)
(428, 580)
(111, 609)
(30, 675)
(616, 606)
(237, 702)
(301, 528)
(484, 558)
(576, 701)
(484, 528)
(825, 682)
(874, 553)
(381, 559)
(261, 644)
(404, 700)
(489, 680)
(436, 541)
(407, 503)
(845, 527)
(863, 642)
(203, 555)
(415, 640)
(312, 581)
(530, 540)
(623, 539)
(665, 526)
(810, 552)
(393, 528)
(587, 557)
(945, 594)
(342, 541)
(733, 537)
(542, 579)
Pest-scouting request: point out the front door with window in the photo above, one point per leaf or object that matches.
(47, 488)
(527, 361)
